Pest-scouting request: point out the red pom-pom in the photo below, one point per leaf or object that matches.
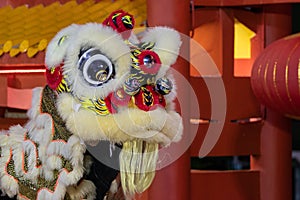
(148, 99)
(54, 77)
(116, 99)
(109, 105)
(149, 62)
(120, 98)
(120, 21)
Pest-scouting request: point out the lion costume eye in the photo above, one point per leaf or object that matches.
(96, 68)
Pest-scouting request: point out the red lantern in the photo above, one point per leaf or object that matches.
(275, 76)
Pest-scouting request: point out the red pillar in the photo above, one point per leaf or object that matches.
(275, 161)
(172, 182)
(278, 22)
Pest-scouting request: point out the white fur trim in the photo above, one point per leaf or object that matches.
(167, 43)
(65, 179)
(54, 162)
(57, 147)
(41, 129)
(35, 103)
(72, 177)
(47, 173)
(58, 193)
(56, 52)
(16, 137)
(173, 126)
(73, 151)
(8, 184)
(42, 153)
(32, 172)
(113, 187)
(30, 149)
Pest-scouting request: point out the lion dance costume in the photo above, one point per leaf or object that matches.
(104, 83)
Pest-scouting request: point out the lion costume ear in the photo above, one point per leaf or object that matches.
(57, 48)
(167, 43)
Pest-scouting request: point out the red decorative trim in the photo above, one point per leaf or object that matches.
(59, 141)
(118, 25)
(109, 105)
(148, 93)
(23, 197)
(117, 99)
(54, 76)
(120, 98)
(155, 66)
(56, 184)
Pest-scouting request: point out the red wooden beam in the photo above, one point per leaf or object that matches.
(240, 2)
(5, 123)
(172, 182)
(275, 161)
(22, 60)
(233, 185)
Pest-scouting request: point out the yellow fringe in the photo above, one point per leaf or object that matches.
(137, 165)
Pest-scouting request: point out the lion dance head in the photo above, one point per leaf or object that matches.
(104, 83)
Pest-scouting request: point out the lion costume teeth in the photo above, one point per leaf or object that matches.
(102, 86)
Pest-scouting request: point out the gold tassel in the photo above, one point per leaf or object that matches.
(137, 166)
